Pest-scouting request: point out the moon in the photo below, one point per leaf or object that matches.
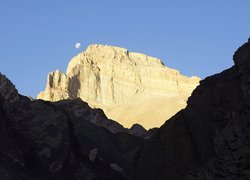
(77, 45)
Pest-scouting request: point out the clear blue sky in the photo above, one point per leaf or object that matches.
(197, 37)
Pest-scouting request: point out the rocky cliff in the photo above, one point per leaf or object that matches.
(65, 140)
(130, 87)
(210, 138)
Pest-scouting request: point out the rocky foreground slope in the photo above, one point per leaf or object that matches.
(130, 87)
(65, 140)
(210, 138)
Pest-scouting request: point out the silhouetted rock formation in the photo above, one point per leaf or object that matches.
(41, 140)
(82, 110)
(8, 91)
(210, 138)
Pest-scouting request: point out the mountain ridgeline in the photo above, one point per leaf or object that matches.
(68, 140)
(130, 87)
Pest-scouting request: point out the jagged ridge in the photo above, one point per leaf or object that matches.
(210, 138)
(60, 140)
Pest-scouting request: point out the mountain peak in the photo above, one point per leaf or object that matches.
(105, 47)
(116, 80)
(8, 91)
(107, 52)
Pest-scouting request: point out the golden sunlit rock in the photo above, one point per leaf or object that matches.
(130, 87)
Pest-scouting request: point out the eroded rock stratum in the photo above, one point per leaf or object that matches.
(130, 87)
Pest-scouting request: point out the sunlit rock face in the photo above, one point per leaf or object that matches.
(130, 87)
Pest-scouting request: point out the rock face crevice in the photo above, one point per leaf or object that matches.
(119, 81)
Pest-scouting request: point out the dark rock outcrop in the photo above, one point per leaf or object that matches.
(82, 110)
(8, 91)
(40, 140)
(210, 138)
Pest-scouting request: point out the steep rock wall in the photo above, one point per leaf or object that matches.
(121, 83)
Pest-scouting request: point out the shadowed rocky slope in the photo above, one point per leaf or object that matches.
(41, 140)
(210, 138)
